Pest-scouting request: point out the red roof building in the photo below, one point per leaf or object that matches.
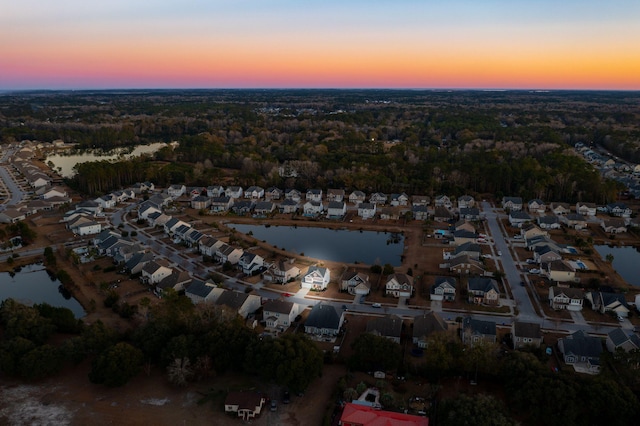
(361, 415)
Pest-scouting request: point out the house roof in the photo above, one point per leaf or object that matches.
(200, 288)
(244, 400)
(176, 278)
(613, 298)
(232, 299)
(426, 324)
(264, 205)
(445, 280)
(388, 326)
(571, 293)
(580, 344)
(483, 284)
(323, 316)
(352, 274)
(477, 326)
(526, 329)
(280, 306)
(619, 337)
(402, 279)
(368, 416)
(468, 246)
(336, 205)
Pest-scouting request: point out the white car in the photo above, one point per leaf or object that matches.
(376, 305)
(499, 253)
(534, 271)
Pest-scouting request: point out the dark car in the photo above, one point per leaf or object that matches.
(286, 397)
(274, 405)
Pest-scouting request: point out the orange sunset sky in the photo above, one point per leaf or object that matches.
(73, 44)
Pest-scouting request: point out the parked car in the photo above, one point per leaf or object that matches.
(274, 405)
(376, 305)
(534, 271)
(286, 397)
(531, 261)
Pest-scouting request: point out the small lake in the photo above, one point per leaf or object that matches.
(33, 285)
(625, 262)
(338, 245)
(64, 163)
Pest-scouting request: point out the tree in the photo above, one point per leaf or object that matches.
(116, 365)
(477, 410)
(24, 321)
(387, 269)
(609, 258)
(349, 394)
(373, 352)
(179, 371)
(43, 361)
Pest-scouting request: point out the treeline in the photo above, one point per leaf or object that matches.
(191, 343)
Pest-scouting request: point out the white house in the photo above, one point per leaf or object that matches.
(250, 263)
(153, 272)
(399, 285)
(176, 191)
(336, 209)
(312, 208)
(366, 210)
(316, 278)
(279, 314)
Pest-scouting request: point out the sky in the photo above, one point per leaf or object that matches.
(454, 44)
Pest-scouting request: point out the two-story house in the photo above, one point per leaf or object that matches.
(568, 298)
(316, 278)
(483, 290)
(475, 331)
(399, 285)
(444, 289)
(280, 314)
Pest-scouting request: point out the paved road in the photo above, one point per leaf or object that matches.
(526, 312)
(12, 187)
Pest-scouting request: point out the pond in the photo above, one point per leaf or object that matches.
(625, 261)
(32, 285)
(338, 245)
(64, 163)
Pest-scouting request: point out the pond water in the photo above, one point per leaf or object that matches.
(32, 285)
(64, 163)
(338, 245)
(625, 261)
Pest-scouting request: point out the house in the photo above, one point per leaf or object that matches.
(247, 405)
(202, 291)
(288, 206)
(153, 272)
(604, 302)
(56, 191)
(220, 204)
(463, 236)
(242, 303)
(176, 191)
(146, 209)
(365, 415)
(282, 272)
(424, 325)
(618, 339)
(312, 208)
(242, 207)
(279, 314)
(106, 201)
(399, 200)
(442, 214)
(264, 208)
(619, 210)
(545, 254)
(136, 262)
(575, 221)
(233, 191)
(512, 203)
(389, 326)
(366, 210)
(177, 281)
(336, 209)
(254, 193)
(378, 198)
(559, 271)
(214, 191)
(160, 200)
(250, 263)
(469, 213)
(399, 285)
(443, 201)
(389, 213)
(293, 194)
(208, 245)
(273, 193)
(613, 225)
(420, 200)
(355, 282)
(466, 265)
(526, 334)
(560, 209)
(581, 351)
(12, 215)
(550, 222)
(466, 202)
(172, 225)
(470, 249)
(193, 237)
(483, 290)
(335, 195)
(316, 278)
(567, 298)
(200, 202)
(536, 206)
(518, 218)
(444, 289)
(226, 253)
(476, 331)
(314, 195)
(420, 212)
(530, 231)
(357, 197)
(586, 209)
(84, 226)
(324, 320)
